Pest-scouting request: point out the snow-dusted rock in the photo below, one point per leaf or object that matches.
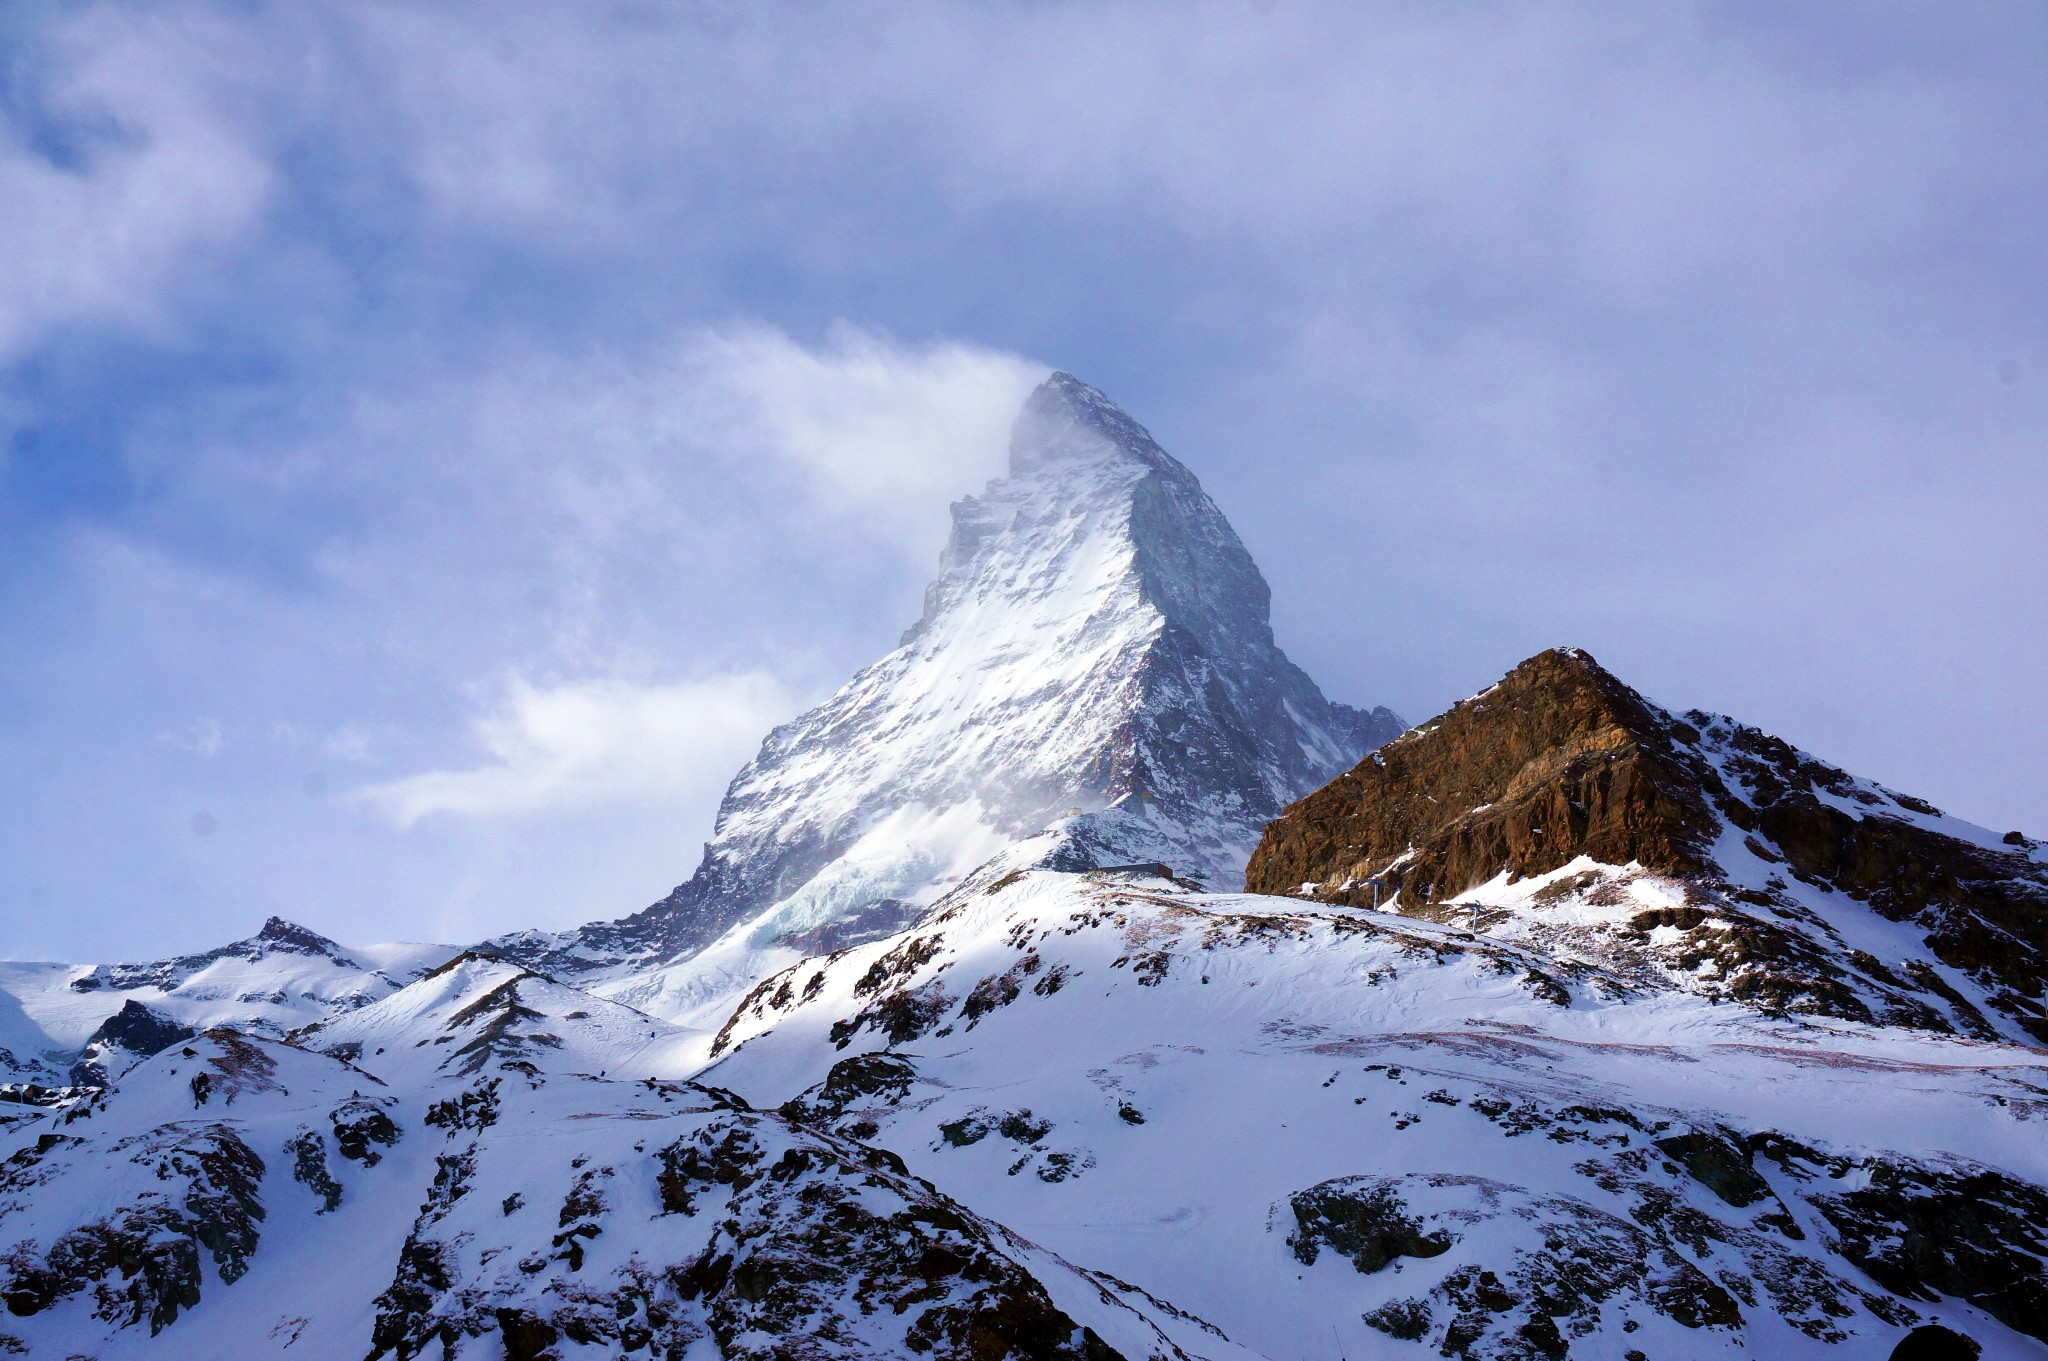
(1097, 641)
(99, 1018)
(1561, 808)
(234, 1196)
(123, 1040)
(477, 1012)
(1358, 1133)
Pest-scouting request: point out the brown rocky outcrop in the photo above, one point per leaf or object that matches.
(1558, 760)
(1561, 760)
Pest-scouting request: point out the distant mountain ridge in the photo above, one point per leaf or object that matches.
(1096, 646)
(66, 1021)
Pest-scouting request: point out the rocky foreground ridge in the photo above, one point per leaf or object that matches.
(1765, 874)
(269, 1199)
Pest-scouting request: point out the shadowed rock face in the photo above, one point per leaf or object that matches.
(133, 1032)
(1562, 760)
(1558, 760)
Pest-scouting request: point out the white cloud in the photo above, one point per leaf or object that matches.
(142, 168)
(581, 744)
(885, 432)
(201, 737)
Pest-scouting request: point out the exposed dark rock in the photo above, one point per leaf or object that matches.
(139, 1030)
(134, 1031)
(864, 1081)
(802, 1236)
(1926, 1232)
(360, 1125)
(527, 1336)
(1574, 1261)
(903, 1015)
(309, 1168)
(142, 1263)
(1718, 1163)
(1558, 760)
(1407, 1319)
(791, 1244)
(998, 990)
(1933, 1342)
(1363, 1220)
(1561, 760)
(476, 1107)
(969, 1129)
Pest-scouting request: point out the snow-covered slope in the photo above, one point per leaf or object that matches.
(1075, 1106)
(1347, 1133)
(1061, 1117)
(241, 1197)
(1097, 639)
(282, 977)
(476, 1012)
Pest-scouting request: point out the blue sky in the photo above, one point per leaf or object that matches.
(440, 439)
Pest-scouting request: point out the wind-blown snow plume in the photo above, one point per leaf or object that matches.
(1096, 646)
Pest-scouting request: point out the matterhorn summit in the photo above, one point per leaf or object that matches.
(1094, 675)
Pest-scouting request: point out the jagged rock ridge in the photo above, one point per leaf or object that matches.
(1788, 870)
(276, 937)
(1097, 639)
(128, 1036)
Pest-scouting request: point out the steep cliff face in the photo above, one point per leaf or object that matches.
(1787, 871)
(1558, 760)
(1097, 638)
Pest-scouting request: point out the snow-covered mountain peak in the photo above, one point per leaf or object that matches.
(477, 1011)
(1065, 419)
(1097, 638)
(278, 934)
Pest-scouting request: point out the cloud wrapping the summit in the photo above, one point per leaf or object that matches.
(884, 433)
(521, 621)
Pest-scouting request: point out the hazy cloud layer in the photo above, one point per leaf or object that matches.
(585, 744)
(121, 160)
(448, 401)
